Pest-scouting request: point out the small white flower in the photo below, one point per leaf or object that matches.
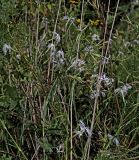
(18, 56)
(61, 61)
(58, 58)
(103, 94)
(51, 47)
(89, 49)
(89, 133)
(105, 60)
(110, 41)
(72, 20)
(123, 89)
(78, 64)
(81, 69)
(113, 139)
(60, 148)
(108, 81)
(79, 133)
(83, 129)
(95, 94)
(94, 76)
(116, 141)
(121, 53)
(65, 18)
(95, 37)
(57, 55)
(136, 41)
(37, 1)
(6, 48)
(126, 44)
(135, 2)
(57, 37)
(44, 23)
(60, 53)
(82, 126)
(110, 136)
(58, 63)
(69, 19)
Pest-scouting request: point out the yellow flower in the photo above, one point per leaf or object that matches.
(78, 21)
(96, 22)
(74, 1)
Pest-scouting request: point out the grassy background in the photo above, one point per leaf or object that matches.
(69, 80)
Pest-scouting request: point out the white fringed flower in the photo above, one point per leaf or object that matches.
(113, 139)
(18, 56)
(70, 20)
(6, 48)
(135, 2)
(60, 148)
(83, 129)
(89, 49)
(107, 81)
(57, 37)
(58, 58)
(123, 89)
(51, 47)
(95, 94)
(105, 60)
(60, 53)
(78, 64)
(95, 37)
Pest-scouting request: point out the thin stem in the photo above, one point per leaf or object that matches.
(78, 45)
(17, 146)
(99, 85)
(37, 33)
(106, 27)
(55, 26)
(71, 121)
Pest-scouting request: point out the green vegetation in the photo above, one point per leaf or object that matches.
(69, 80)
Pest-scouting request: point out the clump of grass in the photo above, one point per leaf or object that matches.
(69, 80)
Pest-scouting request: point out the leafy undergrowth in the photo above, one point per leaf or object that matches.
(69, 80)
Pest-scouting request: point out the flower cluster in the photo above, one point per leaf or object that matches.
(123, 89)
(89, 49)
(135, 2)
(106, 80)
(95, 37)
(60, 148)
(95, 94)
(70, 19)
(6, 49)
(131, 43)
(78, 64)
(51, 47)
(57, 56)
(83, 129)
(105, 60)
(113, 139)
(57, 37)
(96, 22)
